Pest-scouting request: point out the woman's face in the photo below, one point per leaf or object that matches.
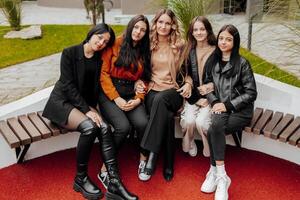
(164, 25)
(199, 32)
(138, 31)
(225, 41)
(99, 41)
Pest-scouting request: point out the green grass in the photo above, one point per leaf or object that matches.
(55, 39)
(260, 66)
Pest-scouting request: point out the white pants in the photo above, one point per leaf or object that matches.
(193, 117)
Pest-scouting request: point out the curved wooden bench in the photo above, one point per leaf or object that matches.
(19, 132)
(285, 128)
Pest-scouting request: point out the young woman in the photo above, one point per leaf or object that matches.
(127, 61)
(201, 43)
(232, 104)
(72, 105)
(164, 96)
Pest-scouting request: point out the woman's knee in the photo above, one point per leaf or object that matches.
(88, 128)
(203, 123)
(122, 128)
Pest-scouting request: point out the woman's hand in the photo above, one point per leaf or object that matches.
(121, 103)
(185, 90)
(205, 89)
(133, 103)
(94, 116)
(139, 87)
(202, 102)
(218, 108)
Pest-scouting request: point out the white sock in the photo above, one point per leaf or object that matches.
(221, 169)
(213, 168)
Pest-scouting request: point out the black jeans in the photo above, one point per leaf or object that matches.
(222, 124)
(162, 107)
(123, 121)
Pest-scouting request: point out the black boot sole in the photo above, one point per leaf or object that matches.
(111, 196)
(85, 194)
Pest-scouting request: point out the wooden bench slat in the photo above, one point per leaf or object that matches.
(9, 135)
(19, 131)
(289, 130)
(55, 131)
(256, 115)
(295, 137)
(272, 123)
(263, 120)
(37, 122)
(286, 120)
(30, 128)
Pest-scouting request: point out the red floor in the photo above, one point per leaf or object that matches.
(255, 176)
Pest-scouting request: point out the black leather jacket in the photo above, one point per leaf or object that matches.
(192, 70)
(237, 91)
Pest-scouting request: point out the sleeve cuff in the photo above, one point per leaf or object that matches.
(229, 106)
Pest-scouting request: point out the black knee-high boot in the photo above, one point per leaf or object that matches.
(82, 182)
(115, 190)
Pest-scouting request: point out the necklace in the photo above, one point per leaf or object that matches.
(162, 51)
(225, 58)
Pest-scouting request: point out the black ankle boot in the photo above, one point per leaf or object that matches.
(151, 163)
(115, 190)
(86, 187)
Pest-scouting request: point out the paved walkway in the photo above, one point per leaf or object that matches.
(270, 41)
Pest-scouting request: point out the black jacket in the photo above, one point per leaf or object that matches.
(237, 91)
(192, 70)
(68, 90)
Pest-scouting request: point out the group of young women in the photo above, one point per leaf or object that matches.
(138, 82)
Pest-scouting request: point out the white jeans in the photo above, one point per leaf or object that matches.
(193, 117)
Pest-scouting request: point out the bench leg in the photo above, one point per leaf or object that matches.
(237, 137)
(21, 152)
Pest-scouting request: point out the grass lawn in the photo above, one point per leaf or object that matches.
(57, 37)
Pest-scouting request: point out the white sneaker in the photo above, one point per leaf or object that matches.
(209, 185)
(143, 176)
(223, 183)
(104, 178)
(193, 150)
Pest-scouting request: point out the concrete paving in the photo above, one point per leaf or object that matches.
(272, 42)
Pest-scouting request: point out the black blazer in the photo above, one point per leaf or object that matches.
(68, 90)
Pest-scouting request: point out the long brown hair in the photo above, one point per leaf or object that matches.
(174, 38)
(192, 42)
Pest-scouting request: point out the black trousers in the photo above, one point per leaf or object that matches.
(222, 124)
(162, 107)
(123, 121)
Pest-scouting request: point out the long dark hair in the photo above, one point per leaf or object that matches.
(100, 29)
(130, 54)
(235, 55)
(192, 42)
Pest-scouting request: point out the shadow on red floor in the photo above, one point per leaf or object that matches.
(255, 176)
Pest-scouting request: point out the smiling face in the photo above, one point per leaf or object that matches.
(99, 41)
(164, 25)
(199, 32)
(138, 31)
(225, 42)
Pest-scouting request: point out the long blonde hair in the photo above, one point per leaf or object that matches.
(175, 39)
